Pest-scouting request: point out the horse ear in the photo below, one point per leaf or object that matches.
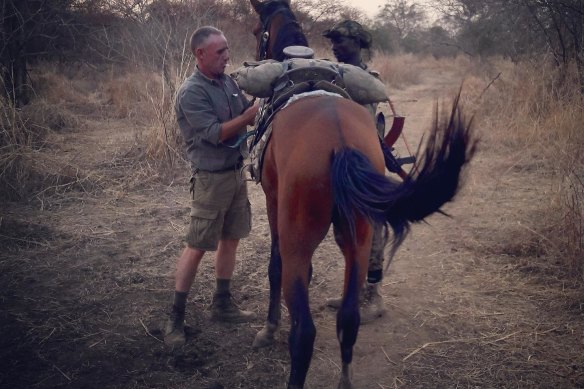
(257, 5)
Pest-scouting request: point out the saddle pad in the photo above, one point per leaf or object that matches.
(256, 154)
(310, 94)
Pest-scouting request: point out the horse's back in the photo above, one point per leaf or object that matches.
(310, 130)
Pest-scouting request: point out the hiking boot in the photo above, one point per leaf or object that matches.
(334, 302)
(174, 329)
(371, 303)
(224, 309)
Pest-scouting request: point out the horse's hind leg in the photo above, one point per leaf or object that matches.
(348, 320)
(302, 330)
(297, 250)
(348, 317)
(265, 336)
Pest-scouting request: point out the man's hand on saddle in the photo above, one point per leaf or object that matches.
(250, 114)
(247, 118)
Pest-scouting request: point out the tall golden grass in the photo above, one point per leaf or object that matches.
(530, 108)
(400, 71)
(536, 109)
(397, 71)
(25, 167)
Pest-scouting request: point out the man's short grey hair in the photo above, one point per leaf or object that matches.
(200, 36)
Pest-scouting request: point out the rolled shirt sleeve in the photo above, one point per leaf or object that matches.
(202, 105)
(200, 122)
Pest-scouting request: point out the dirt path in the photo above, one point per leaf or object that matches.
(86, 285)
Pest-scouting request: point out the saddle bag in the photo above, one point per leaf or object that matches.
(263, 79)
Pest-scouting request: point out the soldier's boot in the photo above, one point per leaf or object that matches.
(224, 309)
(371, 304)
(334, 302)
(174, 329)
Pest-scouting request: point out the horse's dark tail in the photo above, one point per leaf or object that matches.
(358, 188)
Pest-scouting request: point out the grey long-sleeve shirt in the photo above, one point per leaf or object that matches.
(202, 104)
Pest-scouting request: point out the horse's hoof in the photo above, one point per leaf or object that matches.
(262, 340)
(265, 337)
(345, 383)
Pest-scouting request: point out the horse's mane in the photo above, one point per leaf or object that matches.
(290, 33)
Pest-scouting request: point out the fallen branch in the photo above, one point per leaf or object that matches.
(488, 86)
(148, 332)
(387, 356)
(455, 341)
(61, 371)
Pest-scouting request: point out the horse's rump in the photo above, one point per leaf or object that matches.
(307, 133)
(299, 158)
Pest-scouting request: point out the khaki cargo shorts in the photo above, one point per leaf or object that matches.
(220, 209)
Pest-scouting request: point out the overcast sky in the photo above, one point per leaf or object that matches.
(372, 7)
(369, 6)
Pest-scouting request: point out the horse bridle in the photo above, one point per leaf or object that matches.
(263, 48)
(265, 32)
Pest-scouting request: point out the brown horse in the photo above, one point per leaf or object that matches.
(324, 165)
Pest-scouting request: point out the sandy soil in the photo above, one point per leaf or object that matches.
(86, 279)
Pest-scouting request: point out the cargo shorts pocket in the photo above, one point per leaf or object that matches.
(238, 222)
(204, 230)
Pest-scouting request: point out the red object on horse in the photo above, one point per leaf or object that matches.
(395, 130)
(393, 134)
(396, 127)
(324, 165)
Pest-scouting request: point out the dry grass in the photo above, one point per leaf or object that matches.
(534, 112)
(129, 93)
(514, 349)
(56, 86)
(27, 165)
(147, 99)
(399, 71)
(75, 99)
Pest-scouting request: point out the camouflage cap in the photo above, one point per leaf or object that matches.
(352, 29)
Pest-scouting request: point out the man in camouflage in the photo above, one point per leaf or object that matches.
(348, 39)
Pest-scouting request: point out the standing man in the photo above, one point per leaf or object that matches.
(348, 38)
(211, 110)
